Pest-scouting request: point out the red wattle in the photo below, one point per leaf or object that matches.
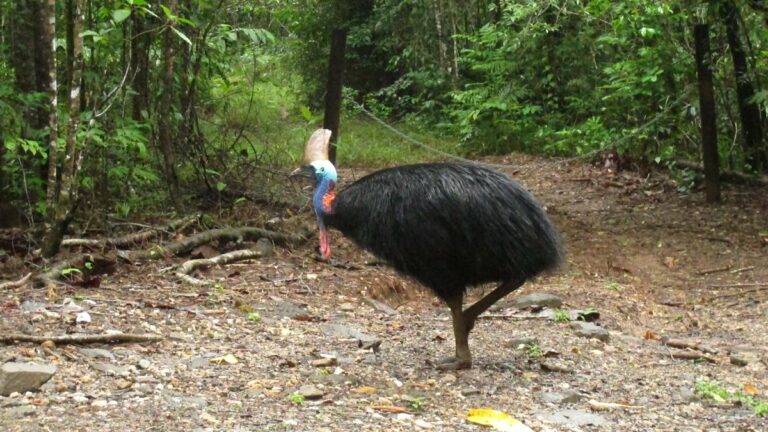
(325, 246)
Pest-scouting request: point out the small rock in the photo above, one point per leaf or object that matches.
(589, 315)
(99, 403)
(517, 342)
(288, 309)
(573, 418)
(111, 369)
(347, 307)
(561, 398)
(379, 306)
(32, 306)
(470, 391)
(310, 392)
(589, 330)
(22, 377)
(123, 384)
(421, 424)
(552, 367)
(97, 353)
(264, 246)
(83, 317)
(22, 411)
(324, 362)
(744, 358)
(342, 331)
(198, 362)
(144, 364)
(537, 299)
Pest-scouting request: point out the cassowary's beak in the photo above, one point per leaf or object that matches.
(305, 171)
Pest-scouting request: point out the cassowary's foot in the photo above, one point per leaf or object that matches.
(453, 363)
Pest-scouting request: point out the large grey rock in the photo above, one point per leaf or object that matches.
(22, 377)
(537, 299)
(342, 331)
(379, 306)
(589, 330)
(571, 418)
(561, 398)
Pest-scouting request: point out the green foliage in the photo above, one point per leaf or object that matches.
(717, 392)
(296, 398)
(561, 315)
(533, 350)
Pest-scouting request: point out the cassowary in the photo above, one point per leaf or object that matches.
(449, 226)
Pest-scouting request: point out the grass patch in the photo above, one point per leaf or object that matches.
(562, 315)
(715, 391)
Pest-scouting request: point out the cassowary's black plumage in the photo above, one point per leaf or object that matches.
(448, 225)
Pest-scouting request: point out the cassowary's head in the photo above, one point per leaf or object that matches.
(319, 168)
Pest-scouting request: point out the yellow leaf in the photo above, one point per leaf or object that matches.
(750, 389)
(229, 359)
(365, 390)
(498, 420)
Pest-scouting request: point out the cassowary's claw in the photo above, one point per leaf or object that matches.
(453, 363)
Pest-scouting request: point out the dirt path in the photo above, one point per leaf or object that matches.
(652, 262)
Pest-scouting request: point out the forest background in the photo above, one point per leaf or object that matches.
(118, 108)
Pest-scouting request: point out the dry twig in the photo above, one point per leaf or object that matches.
(82, 338)
(16, 283)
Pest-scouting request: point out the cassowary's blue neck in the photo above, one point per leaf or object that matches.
(322, 200)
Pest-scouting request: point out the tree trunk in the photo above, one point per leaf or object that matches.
(333, 90)
(60, 215)
(707, 108)
(140, 66)
(442, 49)
(164, 114)
(48, 34)
(754, 151)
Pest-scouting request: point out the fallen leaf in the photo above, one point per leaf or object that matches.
(209, 418)
(750, 389)
(390, 408)
(365, 390)
(496, 419)
(229, 359)
(649, 335)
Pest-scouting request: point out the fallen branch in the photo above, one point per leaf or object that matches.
(82, 338)
(195, 264)
(714, 270)
(691, 355)
(609, 406)
(684, 344)
(231, 234)
(133, 238)
(727, 175)
(16, 283)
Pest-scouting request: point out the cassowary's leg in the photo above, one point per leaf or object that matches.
(461, 328)
(472, 312)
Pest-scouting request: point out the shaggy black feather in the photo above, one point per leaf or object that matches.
(447, 225)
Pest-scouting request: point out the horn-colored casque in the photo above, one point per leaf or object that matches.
(317, 146)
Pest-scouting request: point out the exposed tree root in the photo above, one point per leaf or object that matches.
(81, 338)
(223, 234)
(195, 264)
(133, 238)
(16, 283)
